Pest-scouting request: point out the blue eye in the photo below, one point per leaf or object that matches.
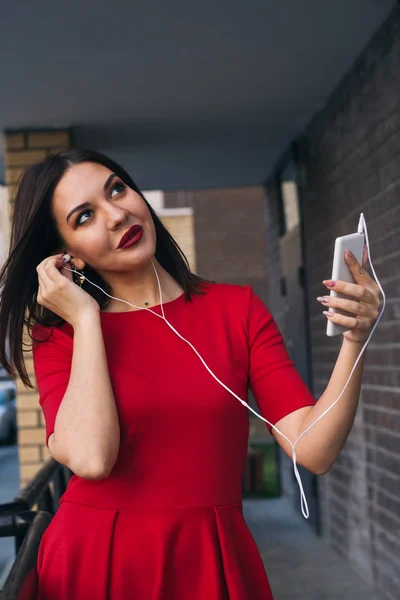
(117, 185)
(78, 220)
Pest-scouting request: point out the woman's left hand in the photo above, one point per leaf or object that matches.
(365, 311)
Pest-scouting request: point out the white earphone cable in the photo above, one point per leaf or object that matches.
(303, 499)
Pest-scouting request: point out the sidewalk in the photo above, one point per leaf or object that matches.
(300, 565)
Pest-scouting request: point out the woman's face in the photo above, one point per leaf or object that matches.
(93, 209)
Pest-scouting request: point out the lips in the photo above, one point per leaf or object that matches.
(131, 236)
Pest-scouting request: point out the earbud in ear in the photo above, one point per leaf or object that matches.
(66, 258)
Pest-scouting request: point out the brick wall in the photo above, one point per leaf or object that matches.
(4, 224)
(351, 155)
(180, 224)
(24, 148)
(229, 232)
(230, 244)
(277, 304)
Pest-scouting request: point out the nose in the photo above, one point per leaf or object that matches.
(115, 216)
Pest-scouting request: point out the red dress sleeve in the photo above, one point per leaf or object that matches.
(52, 363)
(273, 379)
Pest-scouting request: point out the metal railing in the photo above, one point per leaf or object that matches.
(26, 518)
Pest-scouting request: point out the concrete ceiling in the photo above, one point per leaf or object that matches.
(136, 76)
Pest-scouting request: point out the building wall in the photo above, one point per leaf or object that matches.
(277, 305)
(351, 158)
(178, 220)
(229, 232)
(230, 245)
(180, 224)
(4, 224)
(24, 148)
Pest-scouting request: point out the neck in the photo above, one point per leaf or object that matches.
(141, 288)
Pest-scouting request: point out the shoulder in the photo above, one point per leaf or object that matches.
(52, 350)
(237, 305)
(48, 335)
(232, 296)
(228, 292)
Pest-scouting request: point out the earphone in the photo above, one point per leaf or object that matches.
(362, 228)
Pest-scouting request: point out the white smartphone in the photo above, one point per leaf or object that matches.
(340, 270)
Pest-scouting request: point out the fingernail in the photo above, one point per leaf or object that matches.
(327, 313)
(349, 254)
(323, 298)
(330, 283)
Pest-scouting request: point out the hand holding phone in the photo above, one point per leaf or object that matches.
(341, 271)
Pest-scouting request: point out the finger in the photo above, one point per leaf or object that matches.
(359, 274)
(49, 260)
(66, 267)
(58, 260)
(351, 289)
(65, 272)
(49, 268)
(52, 257)
(43, 277)
(354, 309)
(350, 306)
(347, 322)
(365, 257)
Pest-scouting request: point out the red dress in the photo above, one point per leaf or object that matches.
(167, 523)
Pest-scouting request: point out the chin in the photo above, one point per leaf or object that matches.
(138, 257)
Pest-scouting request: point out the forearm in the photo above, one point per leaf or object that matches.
(86, 434)
(326, 439)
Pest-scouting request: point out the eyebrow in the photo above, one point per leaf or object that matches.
(86, 204)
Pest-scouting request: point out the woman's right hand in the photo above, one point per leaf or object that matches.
(60, 294)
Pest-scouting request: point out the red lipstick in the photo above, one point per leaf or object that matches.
(131, 237)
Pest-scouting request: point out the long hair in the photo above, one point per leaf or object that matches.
(34, 236)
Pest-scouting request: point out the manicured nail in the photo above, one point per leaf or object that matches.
(323, 298)
(349, 254)
(327, 313)
(329, 283)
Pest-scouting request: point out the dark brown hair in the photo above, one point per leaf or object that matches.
(34, 236)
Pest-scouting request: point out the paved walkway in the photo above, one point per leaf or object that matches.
(299, 564)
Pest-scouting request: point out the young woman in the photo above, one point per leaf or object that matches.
(157, 446)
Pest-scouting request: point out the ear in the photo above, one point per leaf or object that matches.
(77, 262)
